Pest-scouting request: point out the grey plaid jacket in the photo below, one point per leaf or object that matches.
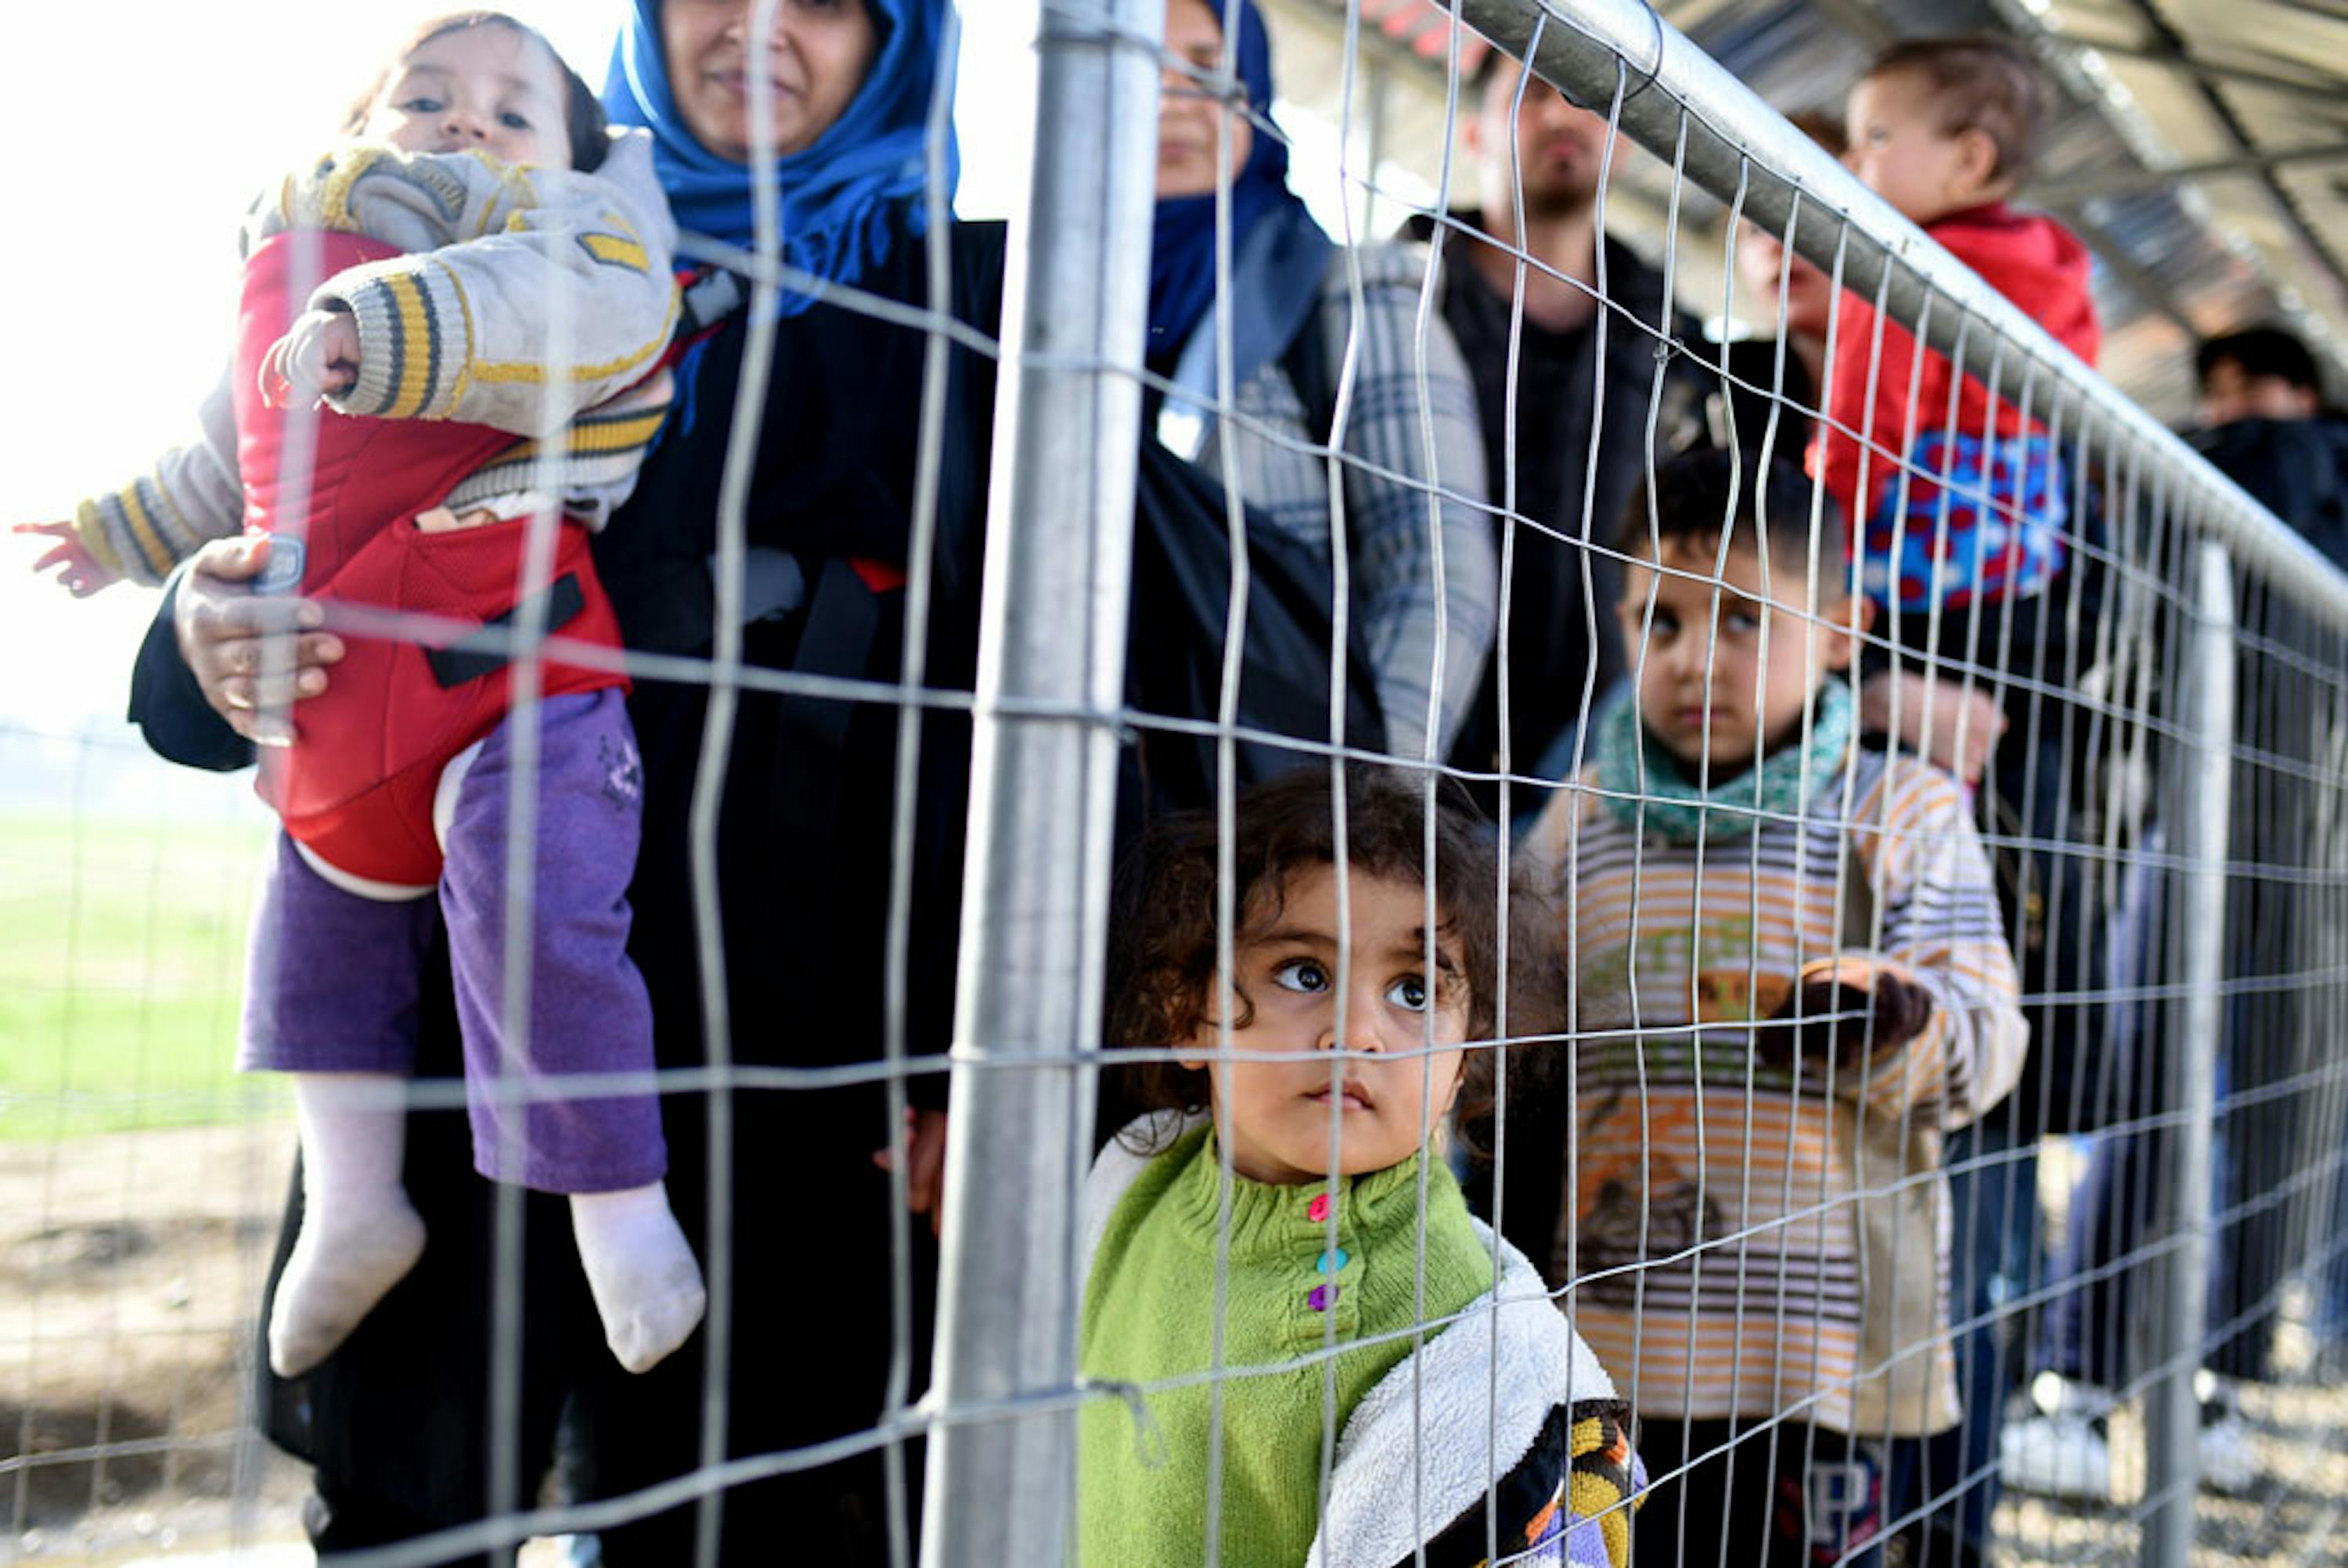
(1413, 480)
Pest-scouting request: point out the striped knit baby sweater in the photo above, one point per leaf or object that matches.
(1685, 1137)
(498, 262)
(1148, 1316)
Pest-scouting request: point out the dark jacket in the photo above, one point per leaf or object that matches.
(1559, 633)
(397, 1421)
(2298, 469)
(2277, 1030)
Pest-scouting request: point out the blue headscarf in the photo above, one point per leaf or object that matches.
(1182, 240)
(840, 195)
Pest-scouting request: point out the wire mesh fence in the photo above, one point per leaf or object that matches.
(1571, 942)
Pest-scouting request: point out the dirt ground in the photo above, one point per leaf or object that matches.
(130, 1268)
(2297, 1513)
(130, 1265)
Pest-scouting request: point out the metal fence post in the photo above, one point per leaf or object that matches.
(1034, 915)
(2173, 1417)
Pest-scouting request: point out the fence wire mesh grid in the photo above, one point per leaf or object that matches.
(1587, 924)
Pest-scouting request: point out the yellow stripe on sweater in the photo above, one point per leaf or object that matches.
(416, 326)
(464, 381)
(333, 194)
(142, 532)
(89, 527)
(533, 375)
(615, 250)
(593, 440)
(616, 434)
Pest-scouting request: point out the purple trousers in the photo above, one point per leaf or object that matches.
(333, 977)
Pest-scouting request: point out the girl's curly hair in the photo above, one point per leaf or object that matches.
(1162, 966)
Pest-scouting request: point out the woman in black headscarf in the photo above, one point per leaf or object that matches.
(1413, 480)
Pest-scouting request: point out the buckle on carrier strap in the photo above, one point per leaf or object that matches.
(489, 650)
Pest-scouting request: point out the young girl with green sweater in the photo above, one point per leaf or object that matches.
(1283, 1273)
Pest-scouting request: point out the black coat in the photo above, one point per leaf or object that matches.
(2278, 931)
(1559, 634)
(2297, 467)
(397, 1421)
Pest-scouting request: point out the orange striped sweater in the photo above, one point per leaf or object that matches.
(1746, 1241)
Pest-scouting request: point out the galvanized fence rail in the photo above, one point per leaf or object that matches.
(2211, 594)
(2193, 719)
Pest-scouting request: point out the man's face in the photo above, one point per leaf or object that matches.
(2229, 392)
(1559, 151)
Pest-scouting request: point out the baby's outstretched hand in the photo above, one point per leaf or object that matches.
(79, 571)
(1849, 1007)
(319, 355)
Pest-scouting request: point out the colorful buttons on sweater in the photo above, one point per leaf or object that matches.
(1322, 1297)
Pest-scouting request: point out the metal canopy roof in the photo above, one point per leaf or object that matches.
(2201, 147)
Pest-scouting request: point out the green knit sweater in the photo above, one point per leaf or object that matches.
(1148, 1316)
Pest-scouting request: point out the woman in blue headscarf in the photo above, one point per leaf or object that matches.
(399, 1424)
(853, 82)
(1292, 314)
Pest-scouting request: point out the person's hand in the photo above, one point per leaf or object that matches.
(79, 571)
(223, 628)
(1849, 1007)
(1965, 720)
(319, 355)
(925, 1165)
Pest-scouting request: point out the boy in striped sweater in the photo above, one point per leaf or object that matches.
(1792, 981)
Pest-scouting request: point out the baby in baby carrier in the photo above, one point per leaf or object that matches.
(452, 338)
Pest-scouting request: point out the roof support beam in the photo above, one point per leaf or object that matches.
(2167, 39)
(2132, 274)
(2082, 189)
(2332, 93)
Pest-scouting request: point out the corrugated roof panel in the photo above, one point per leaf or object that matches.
(2220, 253)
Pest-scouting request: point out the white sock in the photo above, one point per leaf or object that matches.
(360, 1236)
(646, 1283)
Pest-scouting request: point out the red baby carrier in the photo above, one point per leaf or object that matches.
(356, 786)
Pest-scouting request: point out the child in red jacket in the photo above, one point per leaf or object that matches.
(408, 281)
(1941, 129)
(1967, 536)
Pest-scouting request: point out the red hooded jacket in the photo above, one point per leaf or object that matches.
(2044, 268)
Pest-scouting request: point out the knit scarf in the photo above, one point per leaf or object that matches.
(844, 194)
(1667, 802)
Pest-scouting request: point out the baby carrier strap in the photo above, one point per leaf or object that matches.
(350, 475)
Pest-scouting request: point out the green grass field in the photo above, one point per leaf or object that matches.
(121, 972)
